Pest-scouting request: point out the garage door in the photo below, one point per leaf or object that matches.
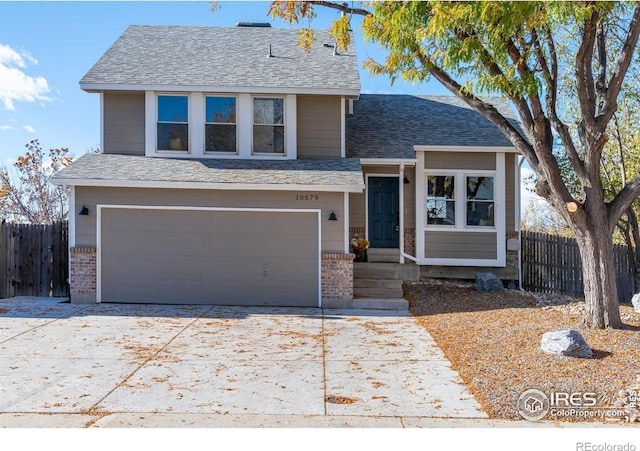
(209, 257)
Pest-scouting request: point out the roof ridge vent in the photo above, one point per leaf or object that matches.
(254, 24)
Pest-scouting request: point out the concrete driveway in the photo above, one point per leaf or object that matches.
(165, 366)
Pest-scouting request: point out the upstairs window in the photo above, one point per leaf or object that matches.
(480, 201)
(268, 125)
(220, 125)
(173, 123)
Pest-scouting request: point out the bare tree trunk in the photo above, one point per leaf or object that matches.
(602, 309)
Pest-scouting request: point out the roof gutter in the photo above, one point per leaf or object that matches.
(208, 185)
(99, 87)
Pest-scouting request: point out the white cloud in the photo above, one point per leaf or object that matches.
(6, 127)
(29, 128)
(10, 56)
(15, 84)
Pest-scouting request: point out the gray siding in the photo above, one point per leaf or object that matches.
(319, 123)
(123, 117)
(332, 231)
(463, 245)
(192, 257)
(460, 160)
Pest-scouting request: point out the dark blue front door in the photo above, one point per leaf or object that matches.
(384, 212)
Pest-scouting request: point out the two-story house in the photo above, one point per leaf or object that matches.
(235, 168)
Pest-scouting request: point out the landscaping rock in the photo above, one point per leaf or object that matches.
(568, 343)
(635, 300)
(488, 282)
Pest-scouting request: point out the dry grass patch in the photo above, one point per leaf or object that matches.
(493, 341)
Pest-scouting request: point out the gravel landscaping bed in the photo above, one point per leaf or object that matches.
(493, 341)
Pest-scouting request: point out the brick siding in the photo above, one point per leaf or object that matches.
(83, 275)
(337, 276)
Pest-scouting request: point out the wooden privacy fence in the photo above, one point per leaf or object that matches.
(34, 259)
(551, 264)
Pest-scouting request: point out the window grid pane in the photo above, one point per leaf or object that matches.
(173, 136)
(268, 139)
(268, 111)
(220, 138)
(221, 110)
(173, 109)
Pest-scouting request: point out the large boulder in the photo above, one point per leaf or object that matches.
(568, 343)
(635, 301)
(488, 282)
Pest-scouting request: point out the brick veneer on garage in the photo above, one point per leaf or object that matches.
(337, 276)
(83, 275)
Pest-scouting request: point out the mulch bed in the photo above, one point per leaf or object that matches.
(493, 341)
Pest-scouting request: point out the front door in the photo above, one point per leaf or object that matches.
(383, 208)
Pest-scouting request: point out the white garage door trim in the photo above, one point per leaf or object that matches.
(100, 207)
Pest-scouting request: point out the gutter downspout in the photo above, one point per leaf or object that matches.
(401, 213)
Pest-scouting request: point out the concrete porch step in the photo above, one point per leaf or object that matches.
(381, 255)
(381, 304)
(367, 304)
(373, 292)
(377, 283)
(368, 270)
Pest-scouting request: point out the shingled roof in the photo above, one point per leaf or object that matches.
(138, 170)
(233, 59)
(388, 126)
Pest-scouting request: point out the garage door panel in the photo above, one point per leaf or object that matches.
(239, 258)
(150, 220)
(160, 244)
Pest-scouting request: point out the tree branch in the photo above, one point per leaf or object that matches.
(626, 55)
(489, 63)
(485, 109)
(623, 201)
(341, 7)
(584, 75)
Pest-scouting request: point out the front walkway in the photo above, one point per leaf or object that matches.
(116, 365)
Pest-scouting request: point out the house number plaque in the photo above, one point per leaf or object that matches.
(307, 197)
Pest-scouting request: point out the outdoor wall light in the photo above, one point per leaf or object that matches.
(406, 180)
(332, 216)
(84, 211)
(572, 207)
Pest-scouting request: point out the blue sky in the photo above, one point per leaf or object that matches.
(46, 48)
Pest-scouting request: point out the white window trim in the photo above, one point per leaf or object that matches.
(460, 198)
(283, 125)
(189, 125)
(204, 148)
(244, 127)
